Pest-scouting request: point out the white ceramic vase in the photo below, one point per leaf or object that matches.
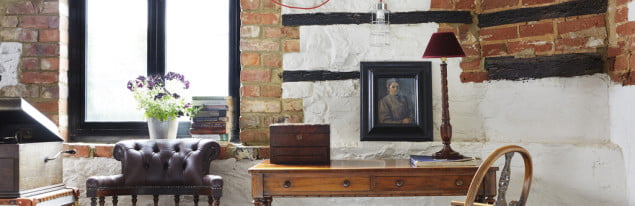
(163, 129)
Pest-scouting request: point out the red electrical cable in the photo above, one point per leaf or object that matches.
(294, 7)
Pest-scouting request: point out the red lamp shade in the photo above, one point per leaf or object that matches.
(443, 44)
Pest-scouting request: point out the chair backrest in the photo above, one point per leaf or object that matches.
(503, 183)
(165, 162)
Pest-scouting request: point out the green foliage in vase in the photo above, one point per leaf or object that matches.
(159, 96)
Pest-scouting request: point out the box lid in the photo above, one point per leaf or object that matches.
(23, 123)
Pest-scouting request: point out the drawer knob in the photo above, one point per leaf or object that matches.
(286, 184)
(399, 183)
(346, 183)
(298, 137)
(458, 182)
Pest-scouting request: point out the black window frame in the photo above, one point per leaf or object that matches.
(80, 130)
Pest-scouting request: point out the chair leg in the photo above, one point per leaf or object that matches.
(195, 200)
(93, 201)
(102, 201)
(177, 199)
(156, 200)
(134, 200)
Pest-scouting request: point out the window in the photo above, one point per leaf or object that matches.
(111, 44)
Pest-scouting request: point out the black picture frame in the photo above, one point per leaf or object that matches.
(414, 83)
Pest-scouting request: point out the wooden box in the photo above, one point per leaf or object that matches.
(300, 144)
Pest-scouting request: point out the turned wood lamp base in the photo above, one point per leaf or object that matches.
(443, 45)
(447, 153)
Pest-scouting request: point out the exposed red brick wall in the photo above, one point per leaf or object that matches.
(575, 34)
(453, 4)
(621, 66)
(263, 42)
(37, 25)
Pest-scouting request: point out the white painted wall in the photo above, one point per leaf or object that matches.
(10, 53)
(622, 112)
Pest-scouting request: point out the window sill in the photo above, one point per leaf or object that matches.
(228, 150)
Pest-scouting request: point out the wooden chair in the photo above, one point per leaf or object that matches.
(160, 167)
(503, 183)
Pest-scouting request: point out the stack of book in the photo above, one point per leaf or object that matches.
(429, 161)
(212, 119)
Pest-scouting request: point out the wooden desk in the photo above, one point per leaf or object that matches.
(362, 178)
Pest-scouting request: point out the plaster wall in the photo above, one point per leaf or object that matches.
(623, 132)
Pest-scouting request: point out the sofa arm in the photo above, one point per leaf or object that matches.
(95, 182)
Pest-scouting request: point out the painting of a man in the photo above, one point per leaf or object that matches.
(395, 108)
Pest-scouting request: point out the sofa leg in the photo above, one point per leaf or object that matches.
(195, 200)
(177, 200)
(156, 200)
(213, 200)
(114, 200)
(134, 200)
(217, 201)
(93, 201)
(102, 201)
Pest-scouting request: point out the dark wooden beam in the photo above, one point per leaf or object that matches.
(364, 18)
(300, 76)
(564, 65)
(572, 8)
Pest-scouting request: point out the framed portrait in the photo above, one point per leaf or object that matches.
(396, 101)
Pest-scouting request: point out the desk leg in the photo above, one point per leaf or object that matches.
(489, 185)
(262, 201)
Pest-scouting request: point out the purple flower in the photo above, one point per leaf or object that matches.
(129, 86)
(159, 96)
(188, 105)
(139, 83)
(187, 84)
(176, 96)
(141, 78)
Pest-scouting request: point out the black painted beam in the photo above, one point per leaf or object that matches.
(364, 18)
(572, 8)
(318, 75)
(564, 65)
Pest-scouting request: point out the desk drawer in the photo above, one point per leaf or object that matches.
(445, 183)
(281, 184)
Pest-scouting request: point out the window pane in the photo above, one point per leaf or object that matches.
(115, 53)
(197, 44)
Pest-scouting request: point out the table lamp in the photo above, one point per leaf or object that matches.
(443, 45)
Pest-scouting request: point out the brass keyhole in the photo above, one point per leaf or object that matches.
(399, 183)
(286, 184)
(298, 137)
(458, 182)
(346, 183)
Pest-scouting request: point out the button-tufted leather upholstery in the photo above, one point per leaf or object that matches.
(156, 167)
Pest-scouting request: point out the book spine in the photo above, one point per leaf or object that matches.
(209, 119)
(211, 113)
(208, 131)
(212, 107)
(208, 125)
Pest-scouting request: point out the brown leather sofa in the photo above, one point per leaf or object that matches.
(160, 167)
